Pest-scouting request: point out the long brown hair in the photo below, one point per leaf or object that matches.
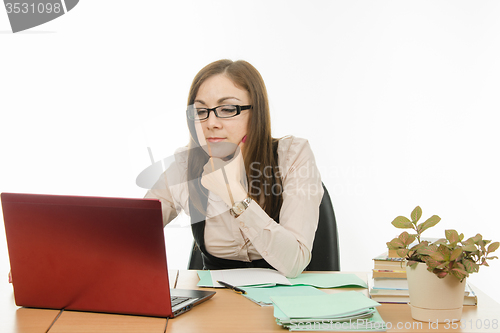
(264, 188)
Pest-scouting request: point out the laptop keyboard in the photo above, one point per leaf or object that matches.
(177, 300)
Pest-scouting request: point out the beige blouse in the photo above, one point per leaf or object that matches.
(254, 235)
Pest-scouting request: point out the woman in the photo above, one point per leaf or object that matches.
(253, 199)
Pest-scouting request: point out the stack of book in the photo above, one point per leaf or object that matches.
(389, 284)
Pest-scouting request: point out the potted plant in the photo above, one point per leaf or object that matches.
(436, 271)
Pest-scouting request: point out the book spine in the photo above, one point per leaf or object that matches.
(388, 273)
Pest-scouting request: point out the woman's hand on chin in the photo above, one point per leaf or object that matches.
(226, 178)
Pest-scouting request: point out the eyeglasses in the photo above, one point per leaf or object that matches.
(221, 111)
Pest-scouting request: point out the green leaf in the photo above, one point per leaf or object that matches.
(430, 222)
(477, 238)
(416, 214)
(455, 253)
(493, 247)
(402, 223)
(470, 266)
(452, 236)
(402, 252)
(441, 241)
(418, 246)
(461, 271)
(406, 238)
(459, 266)
(470, 248)
(459, 274)
(469, 241)
(442, 254)
(431, 263)
(396, 243)
(440, 273)
(438, 256)
(412, 263)
(411, 239)
(443, 265)
(427, 250)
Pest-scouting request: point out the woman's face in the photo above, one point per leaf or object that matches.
(221, 135)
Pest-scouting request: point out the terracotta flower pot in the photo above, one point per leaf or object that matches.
(433, 299)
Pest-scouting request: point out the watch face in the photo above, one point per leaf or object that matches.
(239, 208)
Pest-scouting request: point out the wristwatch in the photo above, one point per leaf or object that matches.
(240, 206)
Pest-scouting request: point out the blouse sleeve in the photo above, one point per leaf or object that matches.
(171, 187)
(161, 192)
(287, 245)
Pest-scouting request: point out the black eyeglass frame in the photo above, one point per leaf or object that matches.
(239, 108)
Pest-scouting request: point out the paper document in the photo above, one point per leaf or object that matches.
(268, 277)
(328, 280)
(248, 277)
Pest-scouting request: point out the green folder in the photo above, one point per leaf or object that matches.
(324, 306)
(262, 295)
(346, 311)
(329, 280)
(375, 323)
(205, 278)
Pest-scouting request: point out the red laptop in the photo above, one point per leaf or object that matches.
(91, 254)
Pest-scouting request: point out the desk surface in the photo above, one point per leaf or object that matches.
(230, 312)
(225, 312)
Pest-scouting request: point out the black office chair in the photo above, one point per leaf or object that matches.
(195, 260)
(325, 252)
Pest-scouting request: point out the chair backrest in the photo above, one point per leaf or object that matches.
(325, 252)
(195, 260)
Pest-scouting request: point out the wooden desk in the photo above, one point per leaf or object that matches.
(230, 312)
(225, 312)
(21, 320)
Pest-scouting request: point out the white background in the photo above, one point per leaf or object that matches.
(398, 99)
